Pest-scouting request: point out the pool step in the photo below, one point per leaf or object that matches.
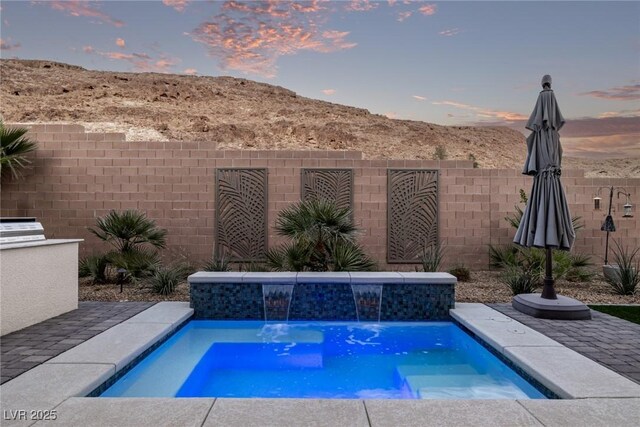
(426, 383)
(459, 369)
(476, 392)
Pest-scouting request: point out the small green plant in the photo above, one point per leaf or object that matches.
(462, 273)
(432, 258)
(471, 157)
(440, 153)
(217, 263)
(14, 147)
(95, 267)
(627, 277)
(520, 280)
(165, 279)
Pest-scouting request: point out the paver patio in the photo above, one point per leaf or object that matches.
(29, 347)
(608, 340)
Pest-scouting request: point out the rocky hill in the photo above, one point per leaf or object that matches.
(239, 113)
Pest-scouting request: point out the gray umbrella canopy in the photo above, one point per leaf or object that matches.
(546, 222)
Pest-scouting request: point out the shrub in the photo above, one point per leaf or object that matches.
(14, 147)
(95, 267)
(322, 239)
(462, 273)
(520, 280)
(217, 263)
(440, 152)
(432, 258)
(474, 160)
(129, 230)
(165, 279)
(626, 280)
(138, 263)
(134, 238)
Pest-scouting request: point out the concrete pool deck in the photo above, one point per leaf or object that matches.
(595, 395)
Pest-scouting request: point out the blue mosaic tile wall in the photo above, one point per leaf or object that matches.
(227, 301)
(325, 301)
(410, 302)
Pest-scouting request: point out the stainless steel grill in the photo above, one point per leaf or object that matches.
(16, 230)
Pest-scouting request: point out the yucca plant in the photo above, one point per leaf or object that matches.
(320, 234)
(432, 258)
(165, 279)
(520, 280)
(95, 267)
(14, 147)
(217, 263)
(627, 277)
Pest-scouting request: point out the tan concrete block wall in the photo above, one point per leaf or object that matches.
(78, 177)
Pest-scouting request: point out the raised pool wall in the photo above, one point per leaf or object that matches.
(340, 296)
(78, 176)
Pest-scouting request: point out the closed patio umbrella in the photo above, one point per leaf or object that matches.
(546, 221)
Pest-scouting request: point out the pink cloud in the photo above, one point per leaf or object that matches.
(251, 36)
(620, 93)
(428, 9)
(404, 15)
(328, 91)
(190, 71)
(450, 32)
(484, 113)
(361, 5)
(120, 42)
(82, 8)
(419, 98)
(178, 5)
(391, 115)
(5, 44)
(140, 61)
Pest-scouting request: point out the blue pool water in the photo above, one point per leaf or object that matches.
(323, 360)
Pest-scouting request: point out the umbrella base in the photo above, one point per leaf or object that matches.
(563, 308)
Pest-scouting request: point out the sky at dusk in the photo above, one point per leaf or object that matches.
(451, 63)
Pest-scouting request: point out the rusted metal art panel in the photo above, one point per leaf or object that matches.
(241, 214)
(412, 214)
(329, 184)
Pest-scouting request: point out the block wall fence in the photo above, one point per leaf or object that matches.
(78, 176)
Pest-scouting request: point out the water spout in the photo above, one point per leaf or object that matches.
(368, 299)
(277, 301)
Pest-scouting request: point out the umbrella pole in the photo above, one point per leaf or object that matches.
(547, 291)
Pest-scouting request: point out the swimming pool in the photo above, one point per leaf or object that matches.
(343, 360)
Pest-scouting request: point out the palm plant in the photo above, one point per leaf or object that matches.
(134, 238)
(14, 149)
(323, 238)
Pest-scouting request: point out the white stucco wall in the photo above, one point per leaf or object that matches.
(38, 280)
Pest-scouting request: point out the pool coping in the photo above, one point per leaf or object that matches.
(60, 383)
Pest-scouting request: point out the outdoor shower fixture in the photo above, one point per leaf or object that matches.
(608, 224)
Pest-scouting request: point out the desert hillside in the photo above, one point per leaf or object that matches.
(239, 113)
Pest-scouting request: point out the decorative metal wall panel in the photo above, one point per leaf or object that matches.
(330, 184)
(241, 208)
(412, 214)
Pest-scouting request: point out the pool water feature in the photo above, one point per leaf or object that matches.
(250, 359)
